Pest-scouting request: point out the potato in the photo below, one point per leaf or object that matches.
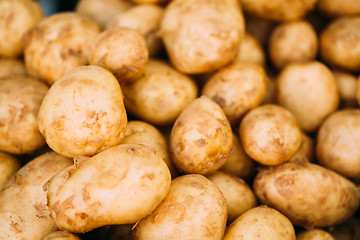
(271, 91)
(8, 166)
(201, 138)
(339, 7)
(261, 223)
(237, 88)
(340, 43)
(279, 10)
(138, 132)
(11, 66)
(238, 195)
(61, 235)
(23, 211)
(292, 42)
(16, 18)
(250, 51)
(349, 230)
(260, 28)
(160, 95)
(20, 100)
(121, 50)
(83, 113)
(194, 209)
(150, 1)
(336, 145)
(287, 188)
(120, 185)
(309, 91)
(270, 134)
(306, 151)
(56, 45)
(347, 84)
(201, 36)
(314, 234)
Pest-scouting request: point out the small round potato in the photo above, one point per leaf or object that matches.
(121, 50)
(237, 88)
(347, 84)
(11, 66)
(250, 51)
(339, 7)
(314, 234)
(306, 151)
(340, 43)
(83, 113)
(61, 235)
(193, 209)
(120, 185)
(201, 138)
(16, 18)
(8, 166)
(261, 223)
(270, 134)
(20, 100)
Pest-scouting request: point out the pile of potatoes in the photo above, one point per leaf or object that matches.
(180, 119)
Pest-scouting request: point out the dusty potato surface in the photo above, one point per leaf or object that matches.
(11, 66)
(61, 235)
(250, 51)
(8, 166)
(306, 151)
(339, 7)
(347, 84)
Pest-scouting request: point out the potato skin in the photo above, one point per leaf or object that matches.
(11, 66)
(287, 188)
(120, 185)
(347, 84)
(61, 235)
(83, 113)
(8, 166)
(337, 8)
(250, 51)
(314, 234)
(193, 209)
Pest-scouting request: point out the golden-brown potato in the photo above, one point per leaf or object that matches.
(83, 113)
(160, 95)
(150, 1)
(271, 91)
(57, 44)
(237, 88)
(261, 223)
(340, 43)
(309, 91)
(201, 36)
(314, 234)
(339, 7)
(121, 50)
(337, 143)
(61, 235)
(16, 18)
(292, 42)
(306, 151)
(23, 211)
(11, 66)
(349, 230)
(347, 84)
(201, 138)
(120, 185)
(260, 28)
(20, 100)
(270, 134)
(288, 187)
(8, 166)
(238, 195)
(250, 51)
(194, 209)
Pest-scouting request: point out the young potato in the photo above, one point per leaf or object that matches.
(202, 36)
(160, 95)
(238, 195)
(138, 132)
(237, 88)
(83, 113)
(270, 134)
(309, 91)
(306, 151)
(57, 44)
(16, 18)
(24, 214)
(8, 166)
(250, 51)
(201, 138)
(120, 185)
(308, 194)
(314, 234)
(349, 230)
(20, 100)
(347, 84)
(292, 42)
(11, 66)
(337, 143)
(193, 209)
(337, 8)
(261, 223)
(121, 50)
(61, 235)
(340, 43)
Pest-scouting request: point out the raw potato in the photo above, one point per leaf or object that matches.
(314, 234)
(250, 51)
(261, 223)
(83, 113)
(287, 188)
(16, 18)
(309, 91)
(347, 84)
(57, 44)
(160, 95)
(120, 185)
(20, 100)
(349, 230)
(8, 166)
(270, 134)
(61, 235)
(340, 43)
(201, 138)
(11, 66)
(339, 7)
(306, 151)
(337, 143)
(121, 50)
(292, 42)
(194, 209)
(238, 195)
(260, 28)
(150, 1)
(23, 211)
(201, 36)
(237, 88)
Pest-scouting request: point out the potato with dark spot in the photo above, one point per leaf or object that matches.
(314, 234)
(61, 235)
(193, 209)
(11, 66)
(8, 166)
